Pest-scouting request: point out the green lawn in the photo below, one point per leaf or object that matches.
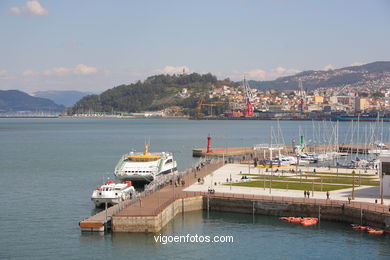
(291, 186)
(343, 173)
(325, 179)
(347, 181)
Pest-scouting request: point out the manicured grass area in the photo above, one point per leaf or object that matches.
(335, 180)
(339, 176)
(347, 180)
(320, 173)
(343, 173)
(291, 186)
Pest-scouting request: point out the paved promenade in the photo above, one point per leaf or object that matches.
(153, 203)
(362, 193)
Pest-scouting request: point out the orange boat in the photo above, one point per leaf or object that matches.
(295, 220)
(284, 218)
(358, 227)
(309, 221)
(375, 231)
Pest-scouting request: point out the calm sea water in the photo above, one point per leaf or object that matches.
(49, 167)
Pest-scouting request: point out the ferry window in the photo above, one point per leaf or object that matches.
(169, 161)
(386, 168)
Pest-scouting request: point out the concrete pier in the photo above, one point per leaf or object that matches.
(237, 151)
(152, 211)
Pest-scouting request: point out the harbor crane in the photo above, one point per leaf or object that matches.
(201, 104)
(248, 111)
(302, 94)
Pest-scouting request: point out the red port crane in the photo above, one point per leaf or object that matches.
(248, 111)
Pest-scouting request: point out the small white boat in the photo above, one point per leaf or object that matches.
(308, 157)
(112, 193)
(287, 160)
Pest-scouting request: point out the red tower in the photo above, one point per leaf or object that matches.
(209, 149)
(248, 111)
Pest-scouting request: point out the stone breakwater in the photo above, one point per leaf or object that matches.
(275, 206)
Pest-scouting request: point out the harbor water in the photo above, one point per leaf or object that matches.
(49, 168)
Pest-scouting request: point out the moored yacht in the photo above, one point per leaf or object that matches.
(112, 193)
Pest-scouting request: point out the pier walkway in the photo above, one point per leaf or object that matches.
(161, 196)
(153, 199)
(154, 202)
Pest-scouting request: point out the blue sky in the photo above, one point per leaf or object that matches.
(93, 45)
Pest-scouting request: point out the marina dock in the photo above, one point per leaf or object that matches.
(241, 151)
(153, 209)
(149, 202)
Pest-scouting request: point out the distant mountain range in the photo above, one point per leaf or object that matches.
(376, 73)
(66, 98)
(163, 91)
(16, 101)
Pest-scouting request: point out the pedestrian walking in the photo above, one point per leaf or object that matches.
(308, 194)
(327, 195)
(305, 193)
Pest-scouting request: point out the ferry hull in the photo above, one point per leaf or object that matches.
(101, 202)
(144, 178)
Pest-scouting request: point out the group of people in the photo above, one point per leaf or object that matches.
(307, 193)
(211, 191)
(178, 182)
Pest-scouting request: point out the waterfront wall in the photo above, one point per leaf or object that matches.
(153, 224)
(338, 213)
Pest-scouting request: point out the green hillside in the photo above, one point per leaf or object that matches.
(155, 93)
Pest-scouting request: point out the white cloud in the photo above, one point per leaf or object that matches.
(84, 69)
(57, 71)
(29, 73)
(31, 8)
(80, 69)
(3, 73)
(281, 72)
(173, 70)
(256, 74)
(260, 74)
(329, 67)
(356, 64)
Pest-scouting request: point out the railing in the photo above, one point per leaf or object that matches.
(119, 164)
(161, 182)
(165, 180)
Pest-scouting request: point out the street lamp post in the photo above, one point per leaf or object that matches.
(382, 188)
(353, 185)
